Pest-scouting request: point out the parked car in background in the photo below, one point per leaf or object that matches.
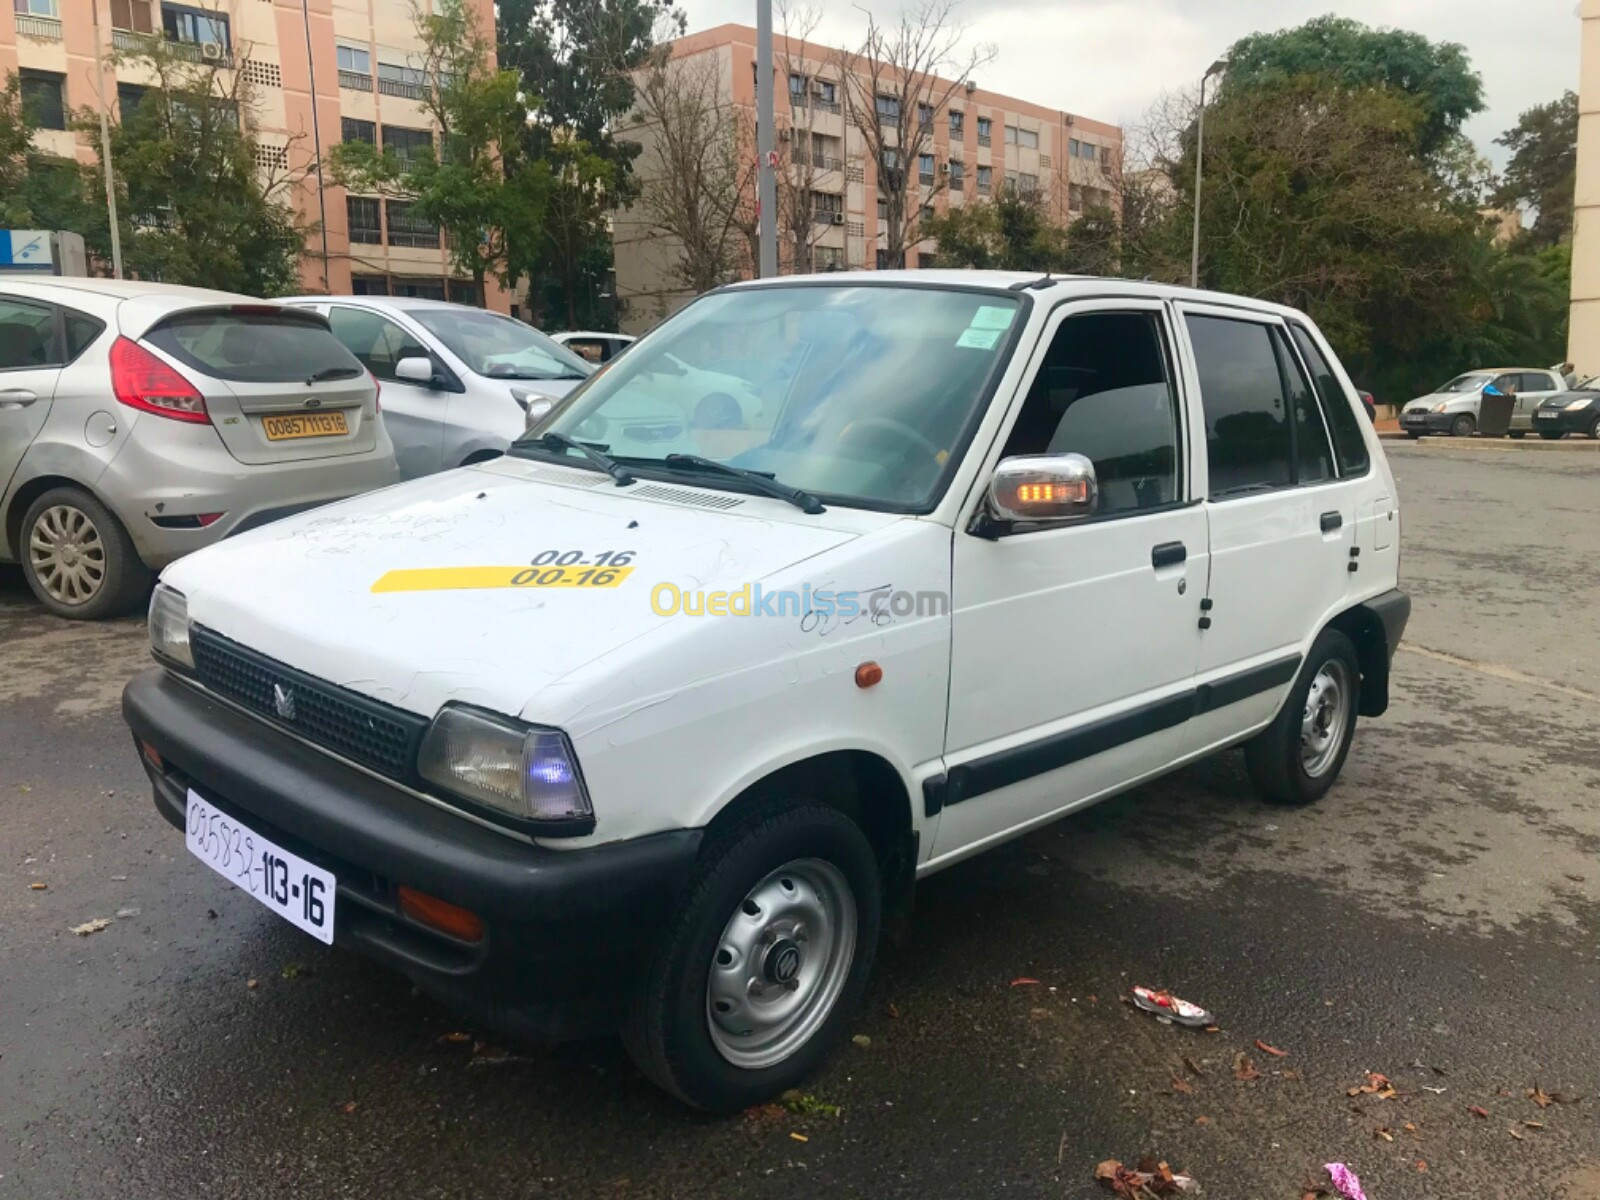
(140, 421)
(595, 347)
(601, 736)
(1454, 408)
(458, 381)
(1368, 404)
(1576, 411)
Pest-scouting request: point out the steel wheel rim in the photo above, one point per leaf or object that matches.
(781, 963)
(67, 555)
(1326, 716)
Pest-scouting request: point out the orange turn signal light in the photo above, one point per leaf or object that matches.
(868, 674)
(152, 755)
(440, 914)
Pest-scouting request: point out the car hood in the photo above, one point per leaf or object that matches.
(1563, 399)
(1426, 402)
(379, 594)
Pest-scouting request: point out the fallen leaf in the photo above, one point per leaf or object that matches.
(1107, 1169)
(1355, 1091)
(1437, 1091)
(1024, 981)
(799, 1137)
(1409, 1127)
(349, 1106)
(1213, 1028)
(893, 1011)
(1202, 1120)
(1384, 1134)
(1422, 1164)
(861, 1040)
(1533, 1124)
(1517, 1133)
(456, 1036)
(765, 1112)
(93, 926)
(1192, 1065)
(38, 887)
(1478, 1111)
(1538, 1096)
(1272, 1050)
(250, 983)
(1290, 1074)
(1182, 1085)
(1243, 1069)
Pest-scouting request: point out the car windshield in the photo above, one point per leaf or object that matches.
(501, 347)
(1465, 383)
(859, 394)
(1589, 385)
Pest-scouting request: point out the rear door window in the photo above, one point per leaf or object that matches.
(268, 346)
(1313, 460)
(27, 336)
(1349, 445)
(377, 341)
(1241, 392)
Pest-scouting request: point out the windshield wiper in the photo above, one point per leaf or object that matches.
(334, 373)
(605, 462)
(802, 500)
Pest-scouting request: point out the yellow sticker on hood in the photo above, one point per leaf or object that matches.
(450, 579)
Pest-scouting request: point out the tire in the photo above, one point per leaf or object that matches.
(1594, 430)
(1553, 435)
(1413, 434)
(787, 864)
(1463, 426)
(1287, 762)
(100, 574)
(1516, 435)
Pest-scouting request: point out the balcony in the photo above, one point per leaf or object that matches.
(404, 88)
(130, 42)
(355, 81)
(46, 29)
(985, 140)
(925, 177)
(826, 162)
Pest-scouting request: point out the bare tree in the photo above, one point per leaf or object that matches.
(897, 87)
(811, 156)
(694, 176)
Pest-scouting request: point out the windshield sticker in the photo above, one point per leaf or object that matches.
(990, 316)
(548, 569)
(978, 339)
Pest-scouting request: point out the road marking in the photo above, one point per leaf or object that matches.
(1509, 674)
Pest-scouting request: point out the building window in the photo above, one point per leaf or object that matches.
(129, 96)
(354, 58)
(826, 91)
(1074, 197)
(419, 289)
(1027, 184)
(407, 144)
(925, 116)
(364, 218)
(888, 110)
(1105, 156)
(827, 258)
(925, 214)
(43, 100)
(985, 131)
(958, 172)
(38, 8)
(407, 230)
(985, 180)
(406, 82)
(195, 27)
(352, 129)
(131, 15)
(1011, 135)
(1027, 139)
(369, 285)
(797, 87)
(827, 208)
(925, 168)
(1074, 147)
(883, 209)
(958, 122)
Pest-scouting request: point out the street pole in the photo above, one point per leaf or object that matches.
(766, 154)
(316, 143)
(1215, 68)
(105, 146)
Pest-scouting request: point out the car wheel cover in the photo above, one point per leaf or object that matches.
(67, 555)
(1325, 719)
(781, 963)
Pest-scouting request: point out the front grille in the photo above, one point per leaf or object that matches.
(350, 725)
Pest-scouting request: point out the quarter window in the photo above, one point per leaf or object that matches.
(379, 343)
(81, 332)
(1348, 443)
(1241, 392)
(1104, 391)
(27, 336)
(1313, 459)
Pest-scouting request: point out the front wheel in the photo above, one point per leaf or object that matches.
(1594, 430)
(1296, 759)
(1463, 426)
(1413, 434)
(1551, 435)
(1516, 434)
(756, 977)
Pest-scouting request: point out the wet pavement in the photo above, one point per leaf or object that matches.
(1434, 919)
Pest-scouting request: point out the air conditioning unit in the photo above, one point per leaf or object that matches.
(785, 134)
(944, 168)
(972, 86)
(210, 51)
(836, 218)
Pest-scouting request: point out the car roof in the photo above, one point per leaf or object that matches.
(591, 333)
(393, 303)
(122, 289)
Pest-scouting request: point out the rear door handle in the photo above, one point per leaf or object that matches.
(1168, 554)
(16, 397)
(1331, 521)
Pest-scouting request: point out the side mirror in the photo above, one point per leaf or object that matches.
(416, 368)
(1042, 488)
(536, 411)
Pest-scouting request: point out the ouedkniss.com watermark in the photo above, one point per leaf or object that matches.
(802, 603)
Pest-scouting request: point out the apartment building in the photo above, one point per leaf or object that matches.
(323, 71)
(1584, 337)
(981, 140)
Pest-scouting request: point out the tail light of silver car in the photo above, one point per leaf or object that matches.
(141, 380)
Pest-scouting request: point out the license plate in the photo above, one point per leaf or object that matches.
(299, 892)
(1547, 416)
(304, 425)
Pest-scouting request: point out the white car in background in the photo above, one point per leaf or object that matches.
(458, 382)
(596, 347)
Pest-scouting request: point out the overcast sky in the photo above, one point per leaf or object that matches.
(1109, 58)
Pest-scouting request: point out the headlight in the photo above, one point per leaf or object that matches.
(1578, 404)
(525, 771)
(1439, 407)
(169, 627)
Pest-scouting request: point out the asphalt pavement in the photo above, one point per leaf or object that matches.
(1433, 920)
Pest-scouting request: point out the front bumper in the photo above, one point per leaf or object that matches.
(567, 933)
(1561, 421)
(1427, 422)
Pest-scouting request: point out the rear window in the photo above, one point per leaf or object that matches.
(255, 347)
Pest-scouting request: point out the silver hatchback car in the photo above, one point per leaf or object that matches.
(140, 421)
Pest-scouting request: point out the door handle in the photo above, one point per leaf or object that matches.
(1331, 521)
(1168, 554)
(16, 397)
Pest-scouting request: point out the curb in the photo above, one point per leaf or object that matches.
(1503, 445)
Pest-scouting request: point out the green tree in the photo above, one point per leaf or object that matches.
(37, 191)
(16, 138)
(480, 188)
(1012, 232)
(1543, 171)
(193, 206)
(1437, 75)
(568, 260)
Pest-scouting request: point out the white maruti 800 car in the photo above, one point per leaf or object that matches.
(649, 725)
